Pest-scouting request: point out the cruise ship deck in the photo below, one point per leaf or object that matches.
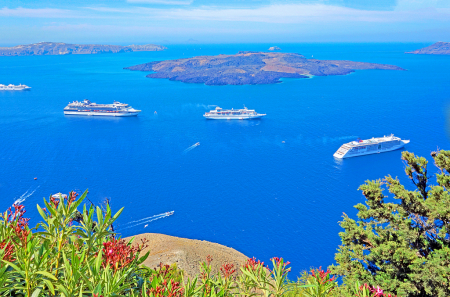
(370, 146)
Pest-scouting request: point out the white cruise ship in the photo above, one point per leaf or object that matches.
(87, 108)
(232, 114)
(11, 87)
(370, 146)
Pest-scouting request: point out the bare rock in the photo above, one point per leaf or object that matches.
(187, 253)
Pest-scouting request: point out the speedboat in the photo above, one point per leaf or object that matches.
(59, 195)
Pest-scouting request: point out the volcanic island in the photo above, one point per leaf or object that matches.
(438, 48)
(60, 48)
(250, 68)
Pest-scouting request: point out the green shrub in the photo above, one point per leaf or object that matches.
(402, 246)
(63, 257)
(76, 253)
(73, 253)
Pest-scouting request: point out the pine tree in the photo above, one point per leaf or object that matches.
(402, 246)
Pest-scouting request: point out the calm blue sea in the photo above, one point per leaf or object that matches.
(267, 187)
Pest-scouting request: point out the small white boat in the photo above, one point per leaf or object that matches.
(370, 146)
(12, 87)
(59, 196)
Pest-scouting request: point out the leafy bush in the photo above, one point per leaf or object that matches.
(401, 246)
(68, 254)
(72, 253)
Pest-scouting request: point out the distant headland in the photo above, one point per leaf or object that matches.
(59, 48)
(438, 48)
(250, 68)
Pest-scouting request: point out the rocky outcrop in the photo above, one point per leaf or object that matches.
(59, 48)
(438, 48)
(250, 68)
(146, 48)
(187, 253)
(274, 48)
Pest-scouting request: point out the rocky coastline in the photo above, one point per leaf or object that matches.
(60, 48)
(438, 48)
(250, 68)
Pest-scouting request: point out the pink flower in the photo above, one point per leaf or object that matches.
(227, 270)
(377, 292)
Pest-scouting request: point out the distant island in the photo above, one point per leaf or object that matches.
(59, 48)
(438, 48)
(250, 68)
(274, 48)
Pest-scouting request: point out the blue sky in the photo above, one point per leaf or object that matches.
(217, 21)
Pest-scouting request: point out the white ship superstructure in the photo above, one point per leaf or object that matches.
(232, 114)
(370, 146)
(87, 108)
(12, 87)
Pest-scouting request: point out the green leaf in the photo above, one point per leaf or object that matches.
(15, 267)
(98, 261)
(41, 212)
(47, 274)
(80, 199)
(143, 258)
(118, 213)
(49, 285)
(36, 292)
(99, 216)
(98, 289)
(63, 290)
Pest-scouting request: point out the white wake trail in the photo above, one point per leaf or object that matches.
(145, 222)
(24, 196)
(206, 106)
(144, 219)
(191, 148)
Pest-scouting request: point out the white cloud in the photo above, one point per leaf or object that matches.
(36, 13)
(420, 4)
(287, 14)
(113, 30)
(165, 2)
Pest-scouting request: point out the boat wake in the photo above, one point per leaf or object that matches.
(191, 148)
(198, 105)
(145, 220)
(335, 139)
(206, 106)
(24, 196)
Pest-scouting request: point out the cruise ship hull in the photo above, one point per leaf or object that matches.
(240, 117)
(130, 114)
(363, 153)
